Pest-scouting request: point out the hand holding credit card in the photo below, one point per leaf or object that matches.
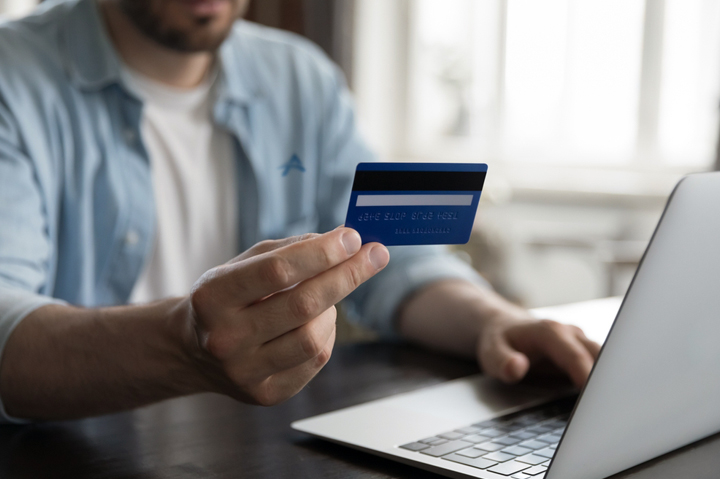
(415, 203)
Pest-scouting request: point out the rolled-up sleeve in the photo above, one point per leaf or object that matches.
(375, 303)
(25, 247)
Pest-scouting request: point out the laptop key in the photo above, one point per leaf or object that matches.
(533, 444)
(523, 435)
(531, 459)
(452, 435)
(507, 440)
(508, 468)
(498, 456)
(469, 430)
(438, 441)
(517, 450)
(488, 423)
(490, 446)
(415, 446)
(492, 432)
(476, 438)
(478, 462)
(513, 427)
(520, 475)
(549, 438)
(535, 470)
(448, 447)
(472, 452)
(429, 440)
(555, 423)
(528, 420)
(547, 452)
(539, 429)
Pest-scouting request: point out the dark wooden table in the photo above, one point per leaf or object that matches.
(210, 436)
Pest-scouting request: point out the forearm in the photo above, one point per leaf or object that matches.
(462, 318)
(257, 328)
(63, 362)
(450, 315)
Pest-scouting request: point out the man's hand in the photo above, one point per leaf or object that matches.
(257, 328)
(459, 317)
(264, 324)
(508, 347)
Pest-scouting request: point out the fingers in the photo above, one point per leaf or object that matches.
(297, 346)
(290, 309)
(283, 385)
(561, 344)
(500, 360)
(506, 352)
(271, 245)
(591, 346)
(239, 284)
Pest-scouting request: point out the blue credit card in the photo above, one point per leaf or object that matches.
(415, 203)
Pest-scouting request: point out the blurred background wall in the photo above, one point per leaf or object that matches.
(15, 8)
(587, 112)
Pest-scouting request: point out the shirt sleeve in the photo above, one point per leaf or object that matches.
(375, 303)
(24, 244)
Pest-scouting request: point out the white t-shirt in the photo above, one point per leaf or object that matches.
(194, 183)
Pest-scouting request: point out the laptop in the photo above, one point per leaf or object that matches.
(654, 388)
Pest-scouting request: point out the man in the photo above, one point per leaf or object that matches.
(143, 142)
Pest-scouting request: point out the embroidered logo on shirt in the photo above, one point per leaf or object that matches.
(293, 163)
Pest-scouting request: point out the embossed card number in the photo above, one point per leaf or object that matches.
(415, 203)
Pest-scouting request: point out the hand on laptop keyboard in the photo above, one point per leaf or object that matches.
(462, 318)
(508, 347)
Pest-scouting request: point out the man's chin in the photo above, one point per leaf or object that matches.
(191, 26)
(192, 42)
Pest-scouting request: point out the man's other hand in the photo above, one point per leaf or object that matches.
(462, 318)
(509, 347)
(261, 326)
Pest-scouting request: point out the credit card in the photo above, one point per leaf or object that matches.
(415, 203)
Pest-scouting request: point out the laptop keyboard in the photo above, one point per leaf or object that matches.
(518, 445)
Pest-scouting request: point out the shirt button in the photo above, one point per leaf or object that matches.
(132, 238)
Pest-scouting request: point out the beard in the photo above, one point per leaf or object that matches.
(192, 35)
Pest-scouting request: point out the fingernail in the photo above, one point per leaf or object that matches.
(379, 257)
(351, 241)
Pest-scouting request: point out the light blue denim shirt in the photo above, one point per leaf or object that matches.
(77, 214)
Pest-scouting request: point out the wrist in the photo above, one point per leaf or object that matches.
(505, 314)
(196, 365)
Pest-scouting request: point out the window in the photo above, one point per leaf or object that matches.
(16, 8)
(618, 84)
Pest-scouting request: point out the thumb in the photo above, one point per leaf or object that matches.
(500, 360)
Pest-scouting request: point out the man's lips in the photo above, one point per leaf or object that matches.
(205, 7)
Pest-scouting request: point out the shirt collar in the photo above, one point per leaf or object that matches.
(237, 71)
(93, 62)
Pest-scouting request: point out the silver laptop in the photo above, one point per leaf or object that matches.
(654, 388)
